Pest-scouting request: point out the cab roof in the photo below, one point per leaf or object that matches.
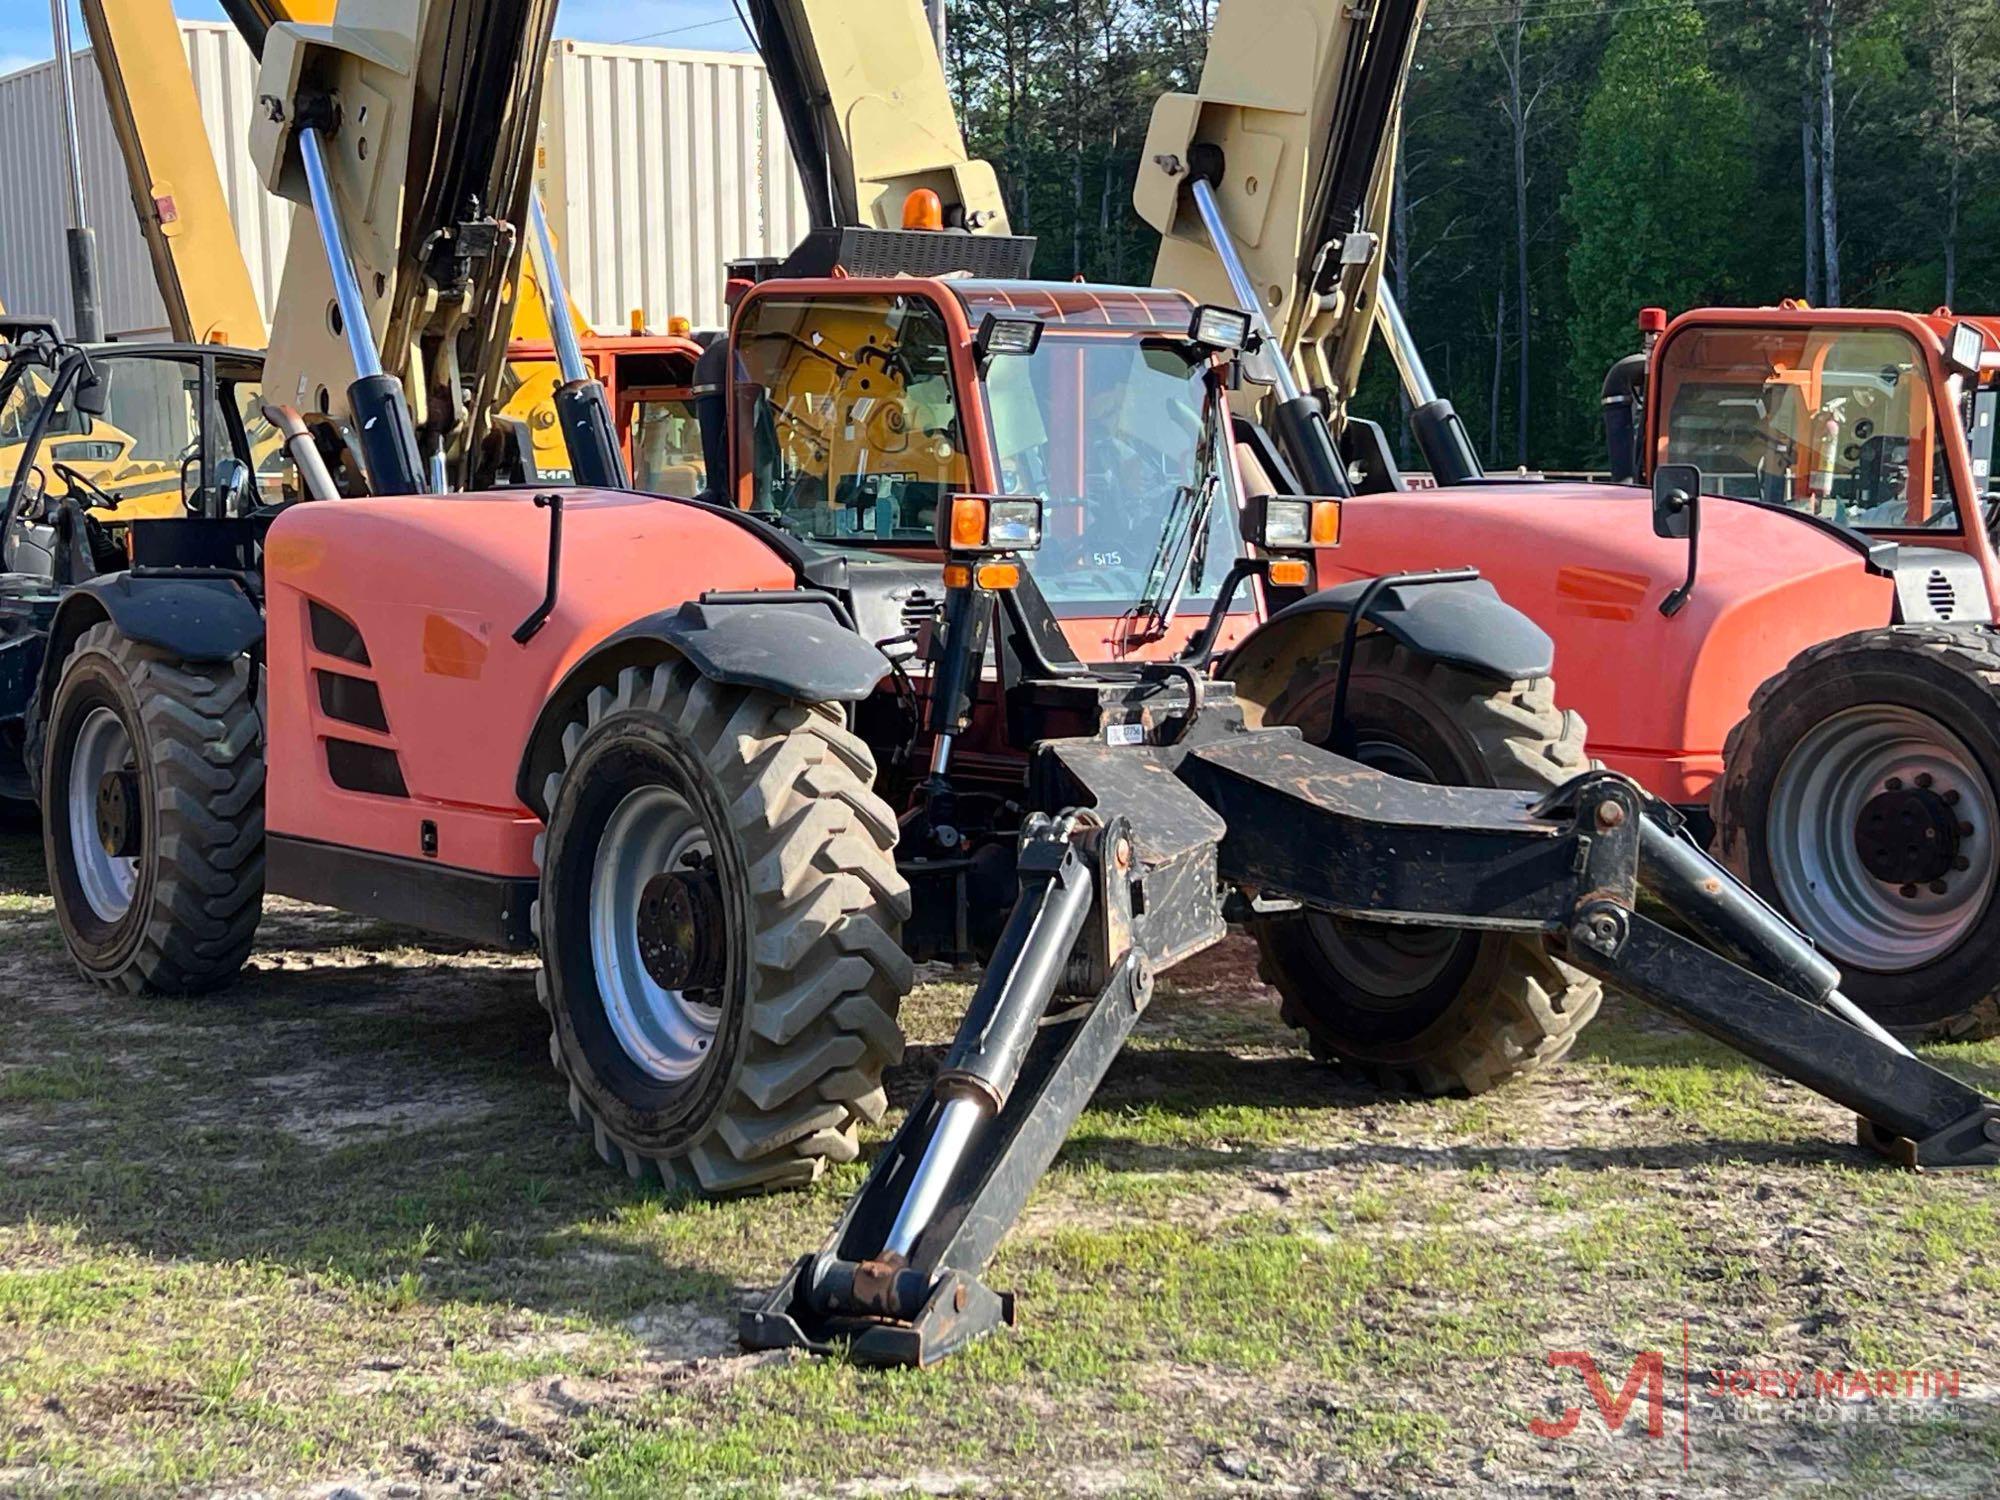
(1076, 303)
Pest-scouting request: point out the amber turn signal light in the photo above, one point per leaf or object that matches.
(1289, 572)
(1326, 523)
(997, 575)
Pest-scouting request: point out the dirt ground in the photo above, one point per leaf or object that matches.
(332, 1233)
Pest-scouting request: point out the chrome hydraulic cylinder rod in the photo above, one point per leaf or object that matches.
(555, 294)
(1245, 291)
(1403, 347)
(999, 1025)
(333, 241)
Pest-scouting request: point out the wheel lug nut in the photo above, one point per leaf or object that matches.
(1909, 892)
(1894, 783)
(1923, 778)
(1937, 887)
(1951, 797)
(1961, 863)
(1965, 830)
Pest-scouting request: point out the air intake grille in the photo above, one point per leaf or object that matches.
(919, 610)
(1939, 591)
(335, 634)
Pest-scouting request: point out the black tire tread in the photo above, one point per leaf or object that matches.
(206, 742)
(829, 973)
(1533, 1014)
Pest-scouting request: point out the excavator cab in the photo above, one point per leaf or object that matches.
(118, 434)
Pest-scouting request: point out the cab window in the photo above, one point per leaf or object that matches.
(145, 450)
(847, 422)
(1838, 421)
(666, 446)
(1109, 431)
(22, 402)
(248, 431)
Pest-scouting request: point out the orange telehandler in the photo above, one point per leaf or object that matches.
(932, 679)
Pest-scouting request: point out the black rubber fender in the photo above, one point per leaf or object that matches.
(1465, 624)
(797, 648)
(203, 620)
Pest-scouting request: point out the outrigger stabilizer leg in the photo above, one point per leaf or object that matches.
(1172, 839)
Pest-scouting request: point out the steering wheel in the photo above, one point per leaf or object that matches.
(75, 483)
(1099, 549)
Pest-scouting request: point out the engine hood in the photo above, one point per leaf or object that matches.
(1659, 693)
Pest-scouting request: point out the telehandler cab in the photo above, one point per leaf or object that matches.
(940, 685)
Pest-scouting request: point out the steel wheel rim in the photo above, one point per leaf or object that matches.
(666, 1033)
(1391, 961)
(1817, 801)
(107, 880)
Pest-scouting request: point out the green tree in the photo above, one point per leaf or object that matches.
(1661, 188)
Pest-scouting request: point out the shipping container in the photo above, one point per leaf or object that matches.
(658, 165)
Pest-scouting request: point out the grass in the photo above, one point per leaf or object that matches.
(334, 1227)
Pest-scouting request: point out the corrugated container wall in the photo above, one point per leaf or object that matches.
(659, 165)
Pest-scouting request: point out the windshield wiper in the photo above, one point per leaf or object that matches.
(1184, 536)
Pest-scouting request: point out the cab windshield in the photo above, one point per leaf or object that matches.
(851, 430)
(1109, 431)
(1838, 421)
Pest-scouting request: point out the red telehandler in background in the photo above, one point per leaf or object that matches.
(1790, 640)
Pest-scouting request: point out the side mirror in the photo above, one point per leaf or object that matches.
(90, 397)
(1677, 516)
(235, 487)
(1676, 497)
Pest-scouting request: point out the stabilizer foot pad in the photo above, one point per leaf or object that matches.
(1971, 1142)
(958, 1310)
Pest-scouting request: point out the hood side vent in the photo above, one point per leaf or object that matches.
(1943, 598)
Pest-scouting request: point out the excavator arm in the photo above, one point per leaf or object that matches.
(408, 131)
(1291, 139)
(862, 93)
(176, 191)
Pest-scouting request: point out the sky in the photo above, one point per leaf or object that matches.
(712, 24)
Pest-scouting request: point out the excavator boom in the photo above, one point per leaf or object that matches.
(176, 191)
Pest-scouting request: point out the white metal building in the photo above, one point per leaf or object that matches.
(659, 165)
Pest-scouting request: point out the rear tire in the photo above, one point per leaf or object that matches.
(760, 1078)
(170, 907)
(1897, 884)
(1430, 1010)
